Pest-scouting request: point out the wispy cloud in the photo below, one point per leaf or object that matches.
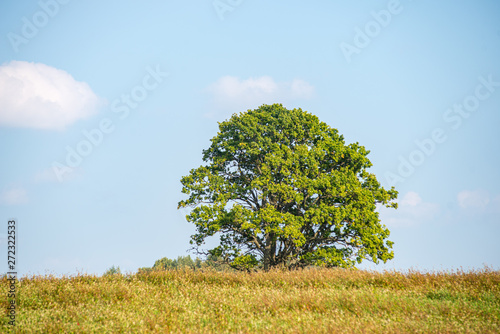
(13, 196)
(410, 199)
(34, 95)
(233, 94)
(473, 199)
(412, 210)
(49, 175)
(476, 207)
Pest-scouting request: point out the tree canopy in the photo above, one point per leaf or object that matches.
(280, 188)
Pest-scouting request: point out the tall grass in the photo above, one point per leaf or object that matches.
(306, 301)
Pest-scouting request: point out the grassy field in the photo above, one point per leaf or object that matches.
(308, 301)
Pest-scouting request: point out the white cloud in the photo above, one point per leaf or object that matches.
(301, 89)
(46, 175)
(235, 95)
(476, 199)
(410, 199)
(35, 95)
(412, 210)
(13, 196)
(49, 175)
(477, 207)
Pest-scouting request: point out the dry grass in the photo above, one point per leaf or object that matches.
(308, 301)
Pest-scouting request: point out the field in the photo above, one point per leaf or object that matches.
(307, 301)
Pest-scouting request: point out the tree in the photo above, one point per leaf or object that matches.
(113, 271)
(280, 188)
(180, 262)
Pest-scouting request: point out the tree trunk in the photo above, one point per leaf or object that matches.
(269, 252)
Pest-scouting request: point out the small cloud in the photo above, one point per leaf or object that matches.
(476, 199)
(412, 210)
(13, 196)
(53, 175)
(301, 89)
(233, 94)
(34, 95)
(410, 199)
(477, 206)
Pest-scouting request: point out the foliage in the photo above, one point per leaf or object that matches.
(301, 301)
(144, 270)
(113, 271)
(180, 262)
(217, 264)
(282, 189)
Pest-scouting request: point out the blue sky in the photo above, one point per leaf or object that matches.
(104, 106)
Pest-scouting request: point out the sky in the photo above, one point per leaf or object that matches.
(105, 105)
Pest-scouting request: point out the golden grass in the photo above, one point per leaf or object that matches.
(306, 301)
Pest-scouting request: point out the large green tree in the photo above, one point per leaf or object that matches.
(281, 188)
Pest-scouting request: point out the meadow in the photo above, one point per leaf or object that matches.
(303, 301)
